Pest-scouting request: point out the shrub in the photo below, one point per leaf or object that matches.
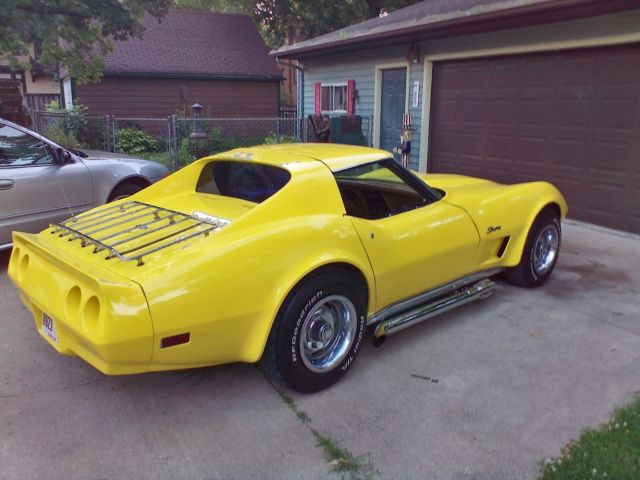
(274, 138)
(65, 127)
(132, 140)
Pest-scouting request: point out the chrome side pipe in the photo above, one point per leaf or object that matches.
(470, 293)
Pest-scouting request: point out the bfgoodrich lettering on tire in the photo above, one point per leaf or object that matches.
(318, 332)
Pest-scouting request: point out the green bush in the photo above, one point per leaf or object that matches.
(274, 138)
(186, 154)
(65, 127)
(221, 141)
(132, 140)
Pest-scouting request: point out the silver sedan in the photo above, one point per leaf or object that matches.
(42, 182)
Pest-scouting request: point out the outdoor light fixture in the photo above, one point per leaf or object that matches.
(413, 54)
(197, 111)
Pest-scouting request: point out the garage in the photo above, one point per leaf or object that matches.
(570, 117)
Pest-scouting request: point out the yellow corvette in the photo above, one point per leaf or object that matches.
(281, 254)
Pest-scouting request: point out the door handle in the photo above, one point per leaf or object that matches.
(6, 184)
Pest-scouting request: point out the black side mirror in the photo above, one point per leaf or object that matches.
(61, 156)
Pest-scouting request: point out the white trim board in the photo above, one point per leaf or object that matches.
(432, 58)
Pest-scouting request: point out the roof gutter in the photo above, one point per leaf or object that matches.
(193, 76)
(495, 20)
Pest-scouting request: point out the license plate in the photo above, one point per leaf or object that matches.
(49, 328)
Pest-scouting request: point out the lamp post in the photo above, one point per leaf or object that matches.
(197, 135)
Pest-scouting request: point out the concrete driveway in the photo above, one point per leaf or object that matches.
(484, 392)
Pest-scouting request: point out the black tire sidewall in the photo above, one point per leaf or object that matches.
(531, 277)
(127, 189)
(290, 320)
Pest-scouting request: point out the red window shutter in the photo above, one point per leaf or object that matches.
(318, 94)
(351, 97)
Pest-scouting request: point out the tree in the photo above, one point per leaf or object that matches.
(70, 34)
(283, 22)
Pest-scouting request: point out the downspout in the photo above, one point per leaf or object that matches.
(299, 90)
(299, 87)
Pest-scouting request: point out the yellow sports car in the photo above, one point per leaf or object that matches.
(280, 254)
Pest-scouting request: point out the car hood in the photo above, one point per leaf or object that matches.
(100, 155)
(447, 182)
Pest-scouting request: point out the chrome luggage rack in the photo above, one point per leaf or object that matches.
(132, 230)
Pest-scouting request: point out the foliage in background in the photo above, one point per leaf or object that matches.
(283, 22)
(70, 34)
(612, 452)
(273, 138)
(75, 36)
(65, 127)
(133, 140)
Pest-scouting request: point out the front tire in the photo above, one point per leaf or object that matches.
(123, 191)
(540, 252)
(317, 333)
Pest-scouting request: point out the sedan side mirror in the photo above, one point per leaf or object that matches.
(61, 156)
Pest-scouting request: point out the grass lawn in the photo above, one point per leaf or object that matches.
(612, 451)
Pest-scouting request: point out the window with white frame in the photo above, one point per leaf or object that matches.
(334, 98)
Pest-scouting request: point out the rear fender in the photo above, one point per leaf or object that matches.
(232, 319)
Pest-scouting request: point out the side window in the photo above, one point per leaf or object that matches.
(334, 98)
(252, 182)
(378, 190)
(21, 149)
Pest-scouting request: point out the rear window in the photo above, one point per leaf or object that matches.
(252, 182)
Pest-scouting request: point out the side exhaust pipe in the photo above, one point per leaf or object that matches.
(476, 291)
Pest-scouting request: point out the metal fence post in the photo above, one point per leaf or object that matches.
(174, 144)
(107, 133)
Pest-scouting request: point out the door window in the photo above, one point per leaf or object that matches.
(18, 148)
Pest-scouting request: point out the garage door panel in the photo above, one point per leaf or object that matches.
(537, 112)
(571, 117)
(617, 113)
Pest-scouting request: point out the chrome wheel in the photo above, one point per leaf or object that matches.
(545, 249)
(327, 333)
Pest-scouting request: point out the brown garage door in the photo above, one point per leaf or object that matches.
(570, 117)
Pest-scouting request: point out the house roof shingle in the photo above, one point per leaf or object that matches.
(190, 43)
(438, 18)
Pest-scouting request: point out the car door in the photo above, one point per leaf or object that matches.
(414, 241)
(34, 191)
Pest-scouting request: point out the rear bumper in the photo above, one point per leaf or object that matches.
(98, 315)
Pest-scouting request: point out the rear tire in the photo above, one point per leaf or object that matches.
(317, 334)
(540, 252)
(124, 190)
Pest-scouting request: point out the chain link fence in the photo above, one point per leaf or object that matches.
(177, 140)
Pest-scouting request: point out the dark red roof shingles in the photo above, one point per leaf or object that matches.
(195, 43)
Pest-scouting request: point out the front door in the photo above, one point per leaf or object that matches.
(393, 100)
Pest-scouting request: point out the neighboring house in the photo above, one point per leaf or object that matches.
(511, 90)
(217, 60)
(38, 85)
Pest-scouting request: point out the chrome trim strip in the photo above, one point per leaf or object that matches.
(481, 289)
(424, 297)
